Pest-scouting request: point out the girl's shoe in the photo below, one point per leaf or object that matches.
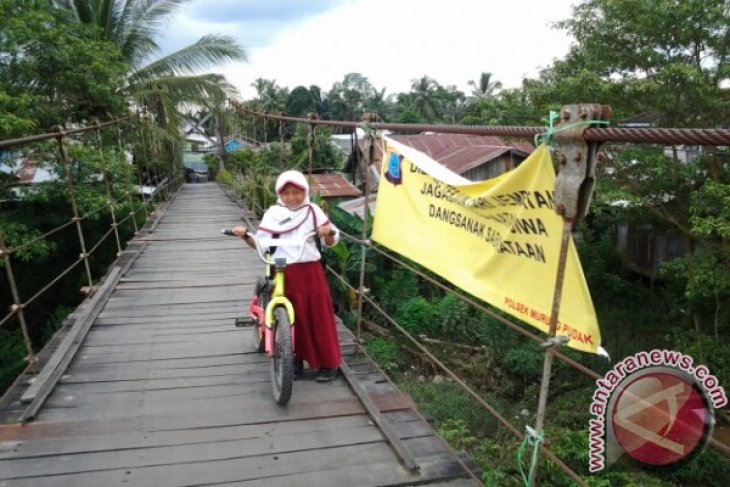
(326, 375)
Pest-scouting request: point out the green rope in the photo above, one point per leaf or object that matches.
(533, 439)
(550, 130)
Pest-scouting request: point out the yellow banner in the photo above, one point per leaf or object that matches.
(498, 239)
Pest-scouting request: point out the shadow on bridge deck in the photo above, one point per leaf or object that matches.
(164, 391)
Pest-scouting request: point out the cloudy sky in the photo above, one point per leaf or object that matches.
(391, 42)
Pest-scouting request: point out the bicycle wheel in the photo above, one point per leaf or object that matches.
(281, 360)
(262, 295)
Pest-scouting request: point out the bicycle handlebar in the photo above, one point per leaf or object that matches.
(277, 242)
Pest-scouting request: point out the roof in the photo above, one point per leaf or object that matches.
(28, 172)
(457, 152)
(331, 186)
(357, 205)
(461, 152)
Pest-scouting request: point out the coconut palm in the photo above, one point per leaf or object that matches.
(486, 88)
(162, 84)
(424, 97)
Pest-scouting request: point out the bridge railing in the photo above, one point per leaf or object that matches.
(102, 170)
(574, 171)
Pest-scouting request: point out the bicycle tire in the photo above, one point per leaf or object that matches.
(262, 294)
(281, 360)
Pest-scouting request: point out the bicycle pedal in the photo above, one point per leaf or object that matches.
(245, 321)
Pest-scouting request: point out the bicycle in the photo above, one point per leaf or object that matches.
(272, 316)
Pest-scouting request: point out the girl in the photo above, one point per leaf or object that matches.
(293, 216)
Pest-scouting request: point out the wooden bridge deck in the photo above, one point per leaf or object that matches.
(164, 391)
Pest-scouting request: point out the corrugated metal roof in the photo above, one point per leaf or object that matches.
(357, 206)
(461, 152)
(331, 186)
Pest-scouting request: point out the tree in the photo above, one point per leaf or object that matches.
(55, 75)
(162, 84)
(669, 58)
(300, 102)
(485, 89)
(347, 97)
(423, 93)
(378, 102)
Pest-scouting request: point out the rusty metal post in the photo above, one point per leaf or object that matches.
(74, 207)
(364, 167)
(108, 184)
(310, 141)
(573, 190)
(18, 306)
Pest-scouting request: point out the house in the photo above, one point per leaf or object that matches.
(238, 142)
(332, 187)
(196, 139)
(475, 157)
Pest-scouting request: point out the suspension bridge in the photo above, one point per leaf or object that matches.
(149, 382)
(163, 390)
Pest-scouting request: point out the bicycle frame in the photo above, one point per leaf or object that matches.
(264, 318)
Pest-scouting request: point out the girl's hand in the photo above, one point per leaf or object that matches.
(324, 230)
(239, 231)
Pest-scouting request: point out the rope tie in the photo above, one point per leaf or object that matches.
(550, 129)
(534, 440)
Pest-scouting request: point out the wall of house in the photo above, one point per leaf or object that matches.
(646, 247)
(493, 168)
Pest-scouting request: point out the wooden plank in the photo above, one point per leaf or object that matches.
(84, 438)
(165, 391)
(402, 451)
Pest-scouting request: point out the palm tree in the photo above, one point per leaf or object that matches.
(161, 84)
(486, 88)
(424, 97)
(379, 103)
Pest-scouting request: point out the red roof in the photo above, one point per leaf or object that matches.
(331, 186)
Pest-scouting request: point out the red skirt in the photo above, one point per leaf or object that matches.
(315, 330)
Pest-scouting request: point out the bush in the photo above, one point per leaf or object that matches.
(224, 177)
(386, 353)
(417, 315)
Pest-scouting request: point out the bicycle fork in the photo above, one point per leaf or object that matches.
(264, 319)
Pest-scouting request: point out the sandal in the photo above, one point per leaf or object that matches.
(326, 375)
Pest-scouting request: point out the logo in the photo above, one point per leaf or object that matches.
(655, 407)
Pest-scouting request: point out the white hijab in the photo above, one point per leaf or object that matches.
(279, 219)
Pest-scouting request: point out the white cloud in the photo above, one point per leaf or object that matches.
(392, 42)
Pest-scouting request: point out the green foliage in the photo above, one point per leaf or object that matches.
(416, 316)
(324, 154)
(399, 287)
(457, 433)
(456, 319)
(211, 162)
(525, 362)
(386, 353)
(18, 234)
(225, 177)
(58, 74)
(447, 401)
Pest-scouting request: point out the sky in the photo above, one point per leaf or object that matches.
(391, 42)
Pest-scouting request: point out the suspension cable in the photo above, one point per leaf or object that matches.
(672, 136)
